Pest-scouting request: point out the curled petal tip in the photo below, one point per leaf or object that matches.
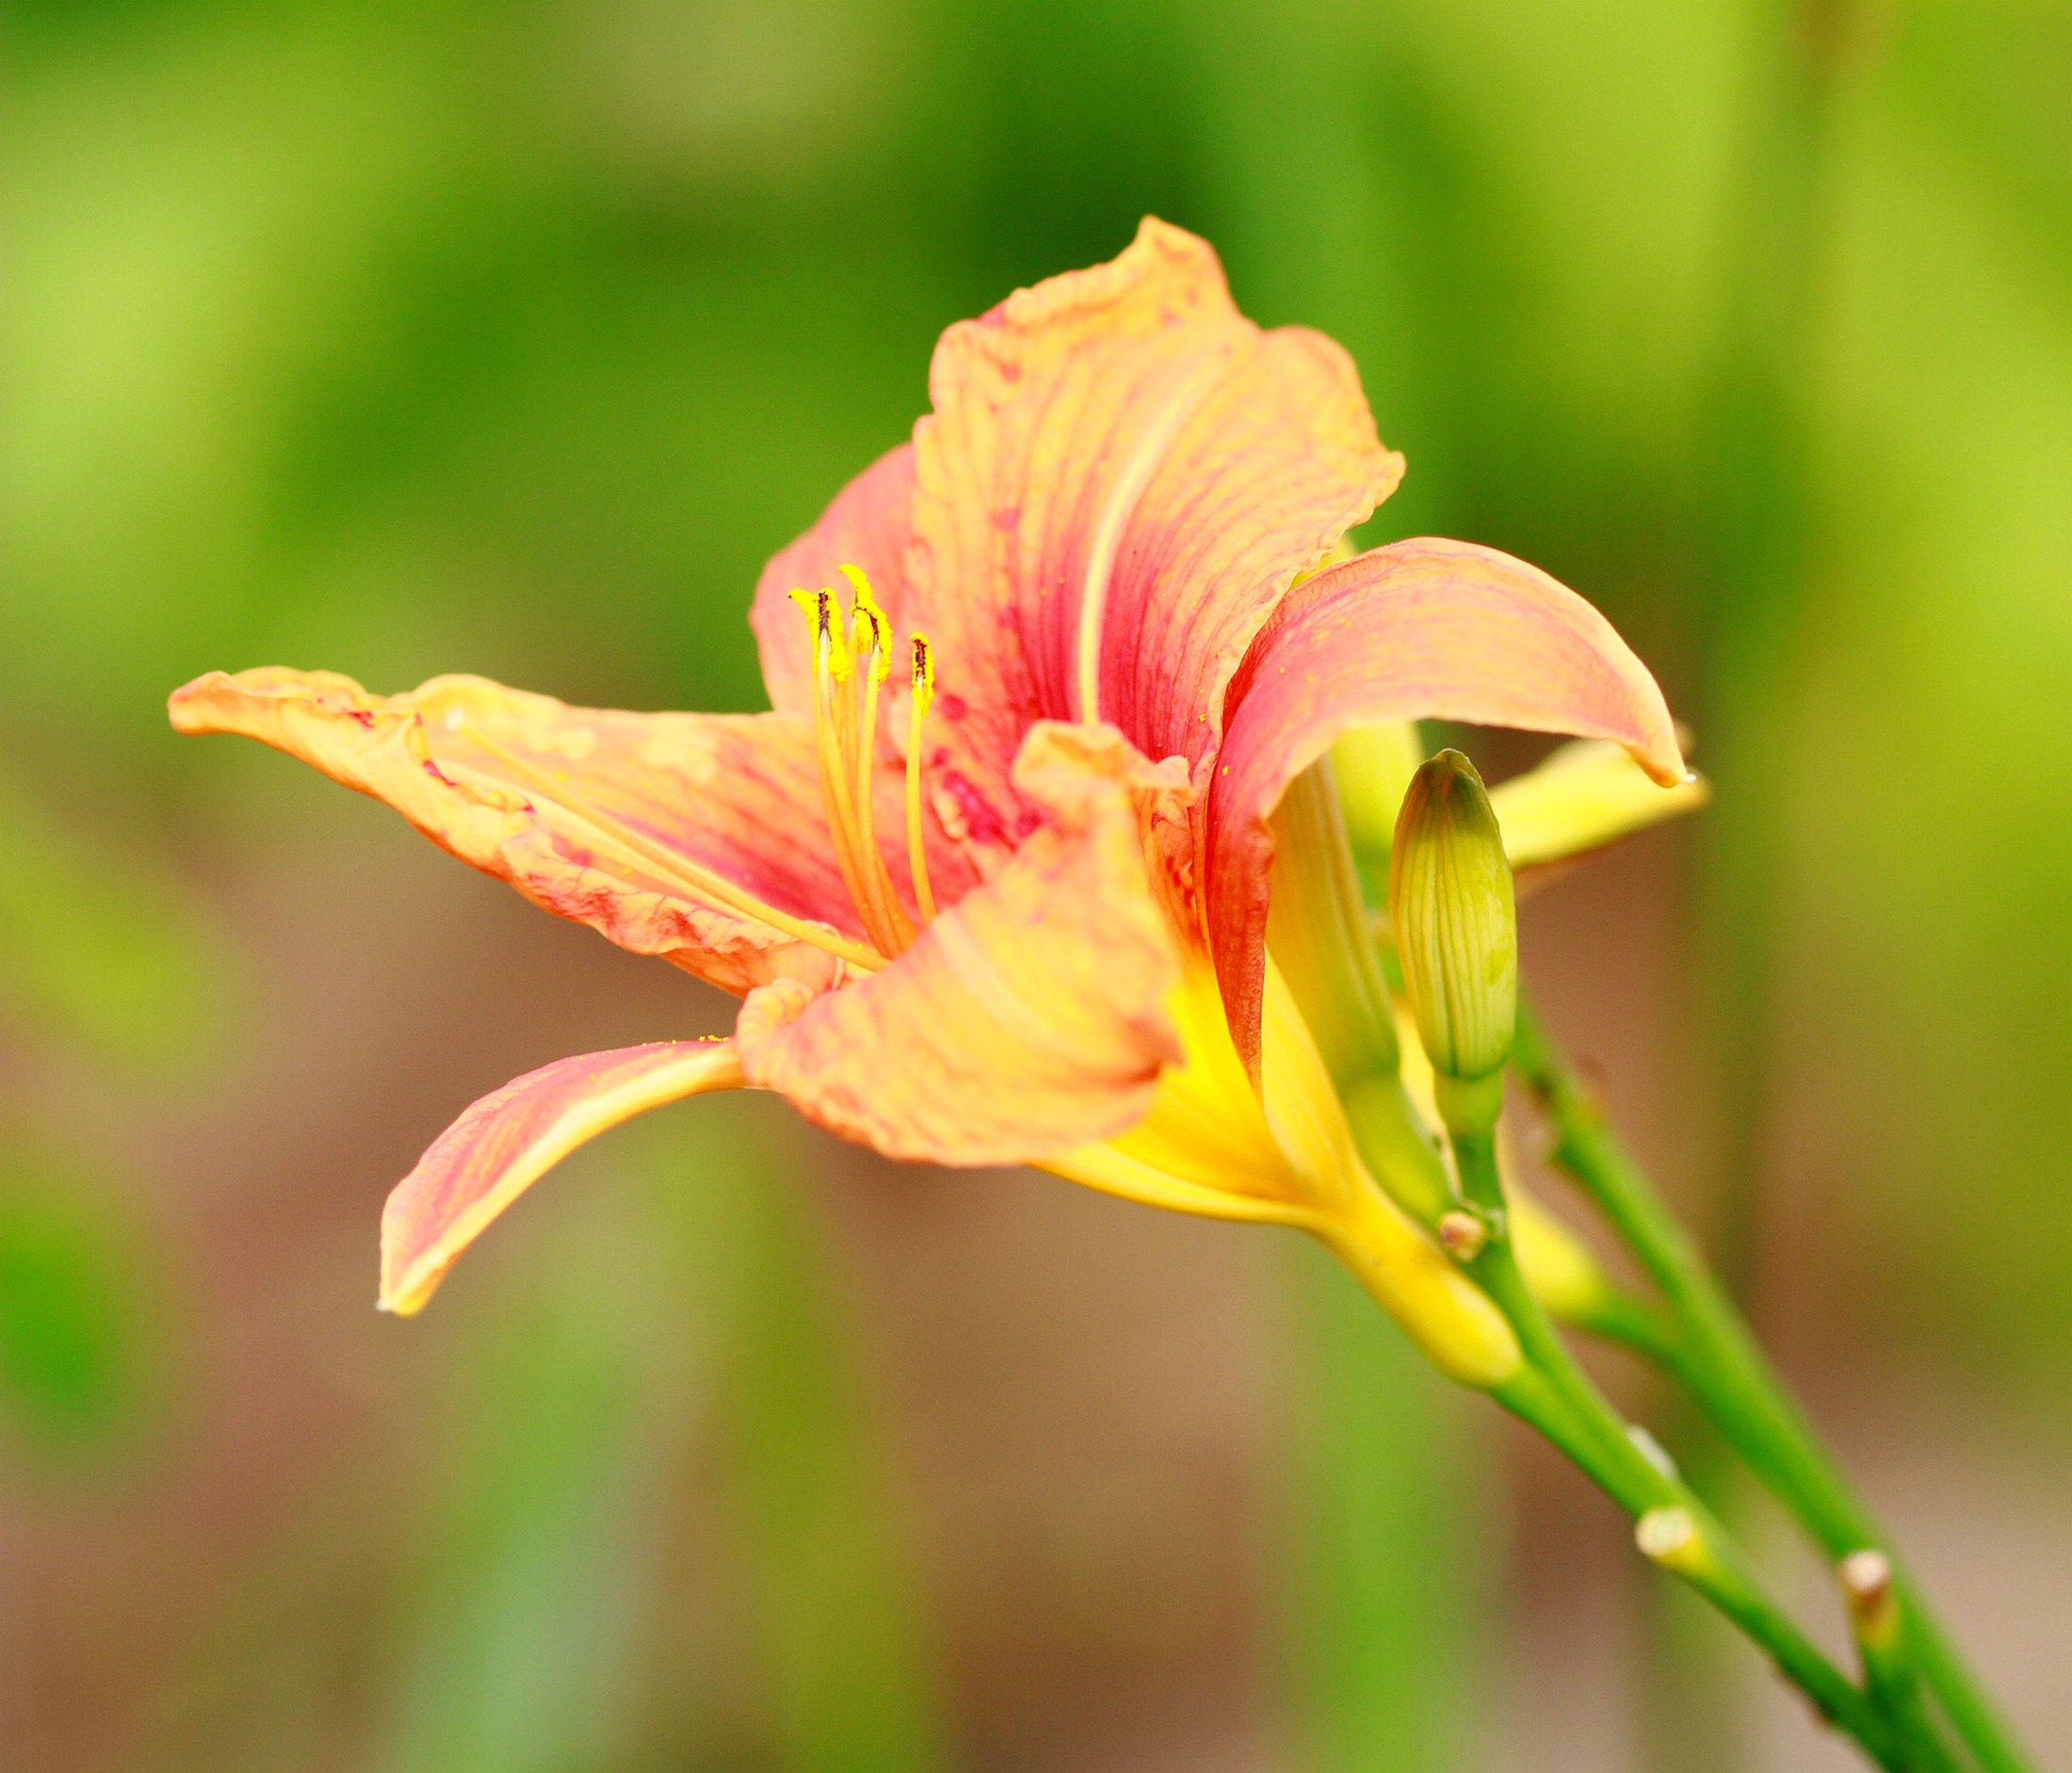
(512, 1137)
(1425, 628)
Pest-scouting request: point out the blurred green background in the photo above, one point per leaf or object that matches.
(399, 338)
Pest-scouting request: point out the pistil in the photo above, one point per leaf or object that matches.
(924, 694)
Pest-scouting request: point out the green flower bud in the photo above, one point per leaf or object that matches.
(1457, 932)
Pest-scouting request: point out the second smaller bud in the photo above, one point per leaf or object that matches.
(1457, 933)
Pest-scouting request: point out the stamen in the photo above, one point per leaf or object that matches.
(845, 722)
(834, 639)
(819, 608)
(924, 694)
(679, 870)
(865, 614)
(885, 900)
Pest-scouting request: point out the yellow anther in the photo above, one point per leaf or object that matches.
(860, 583)
(923, 680)
(841, 656)
(871, 631)
(876, 652)
(830, 655)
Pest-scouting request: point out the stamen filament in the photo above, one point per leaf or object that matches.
(835, 791)
(872, 863)
(681, 871)
(845, 722)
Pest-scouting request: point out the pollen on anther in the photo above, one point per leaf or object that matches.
(871, 628)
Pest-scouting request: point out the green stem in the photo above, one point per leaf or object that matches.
(1616, 1316)
(1891, 1675)
(1556, 1396)
(1718, 1361)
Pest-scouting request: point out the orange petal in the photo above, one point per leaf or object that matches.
(1029, 1020)
(601, 817)
(1420, 629)
(512, 1137)
(1121, 476)
(868, 524)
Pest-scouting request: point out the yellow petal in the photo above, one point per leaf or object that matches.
(1116, 1170)
(1586, 794)
(1558, 1265)
(1285, 1155)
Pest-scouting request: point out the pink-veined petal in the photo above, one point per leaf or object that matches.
(512, 1137)
(1420, 629)
(623, 821)
(1031, 1018)
(868, 524)
(1121, 476)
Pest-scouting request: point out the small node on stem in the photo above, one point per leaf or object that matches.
(1866, 1578)
(1671, 1538)
(1463, 1234)
(1668, 1537)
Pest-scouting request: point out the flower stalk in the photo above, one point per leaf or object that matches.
(1713, 1356)
(1454, 921)
(1557, 1397)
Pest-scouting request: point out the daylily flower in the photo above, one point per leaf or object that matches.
(992, 879)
